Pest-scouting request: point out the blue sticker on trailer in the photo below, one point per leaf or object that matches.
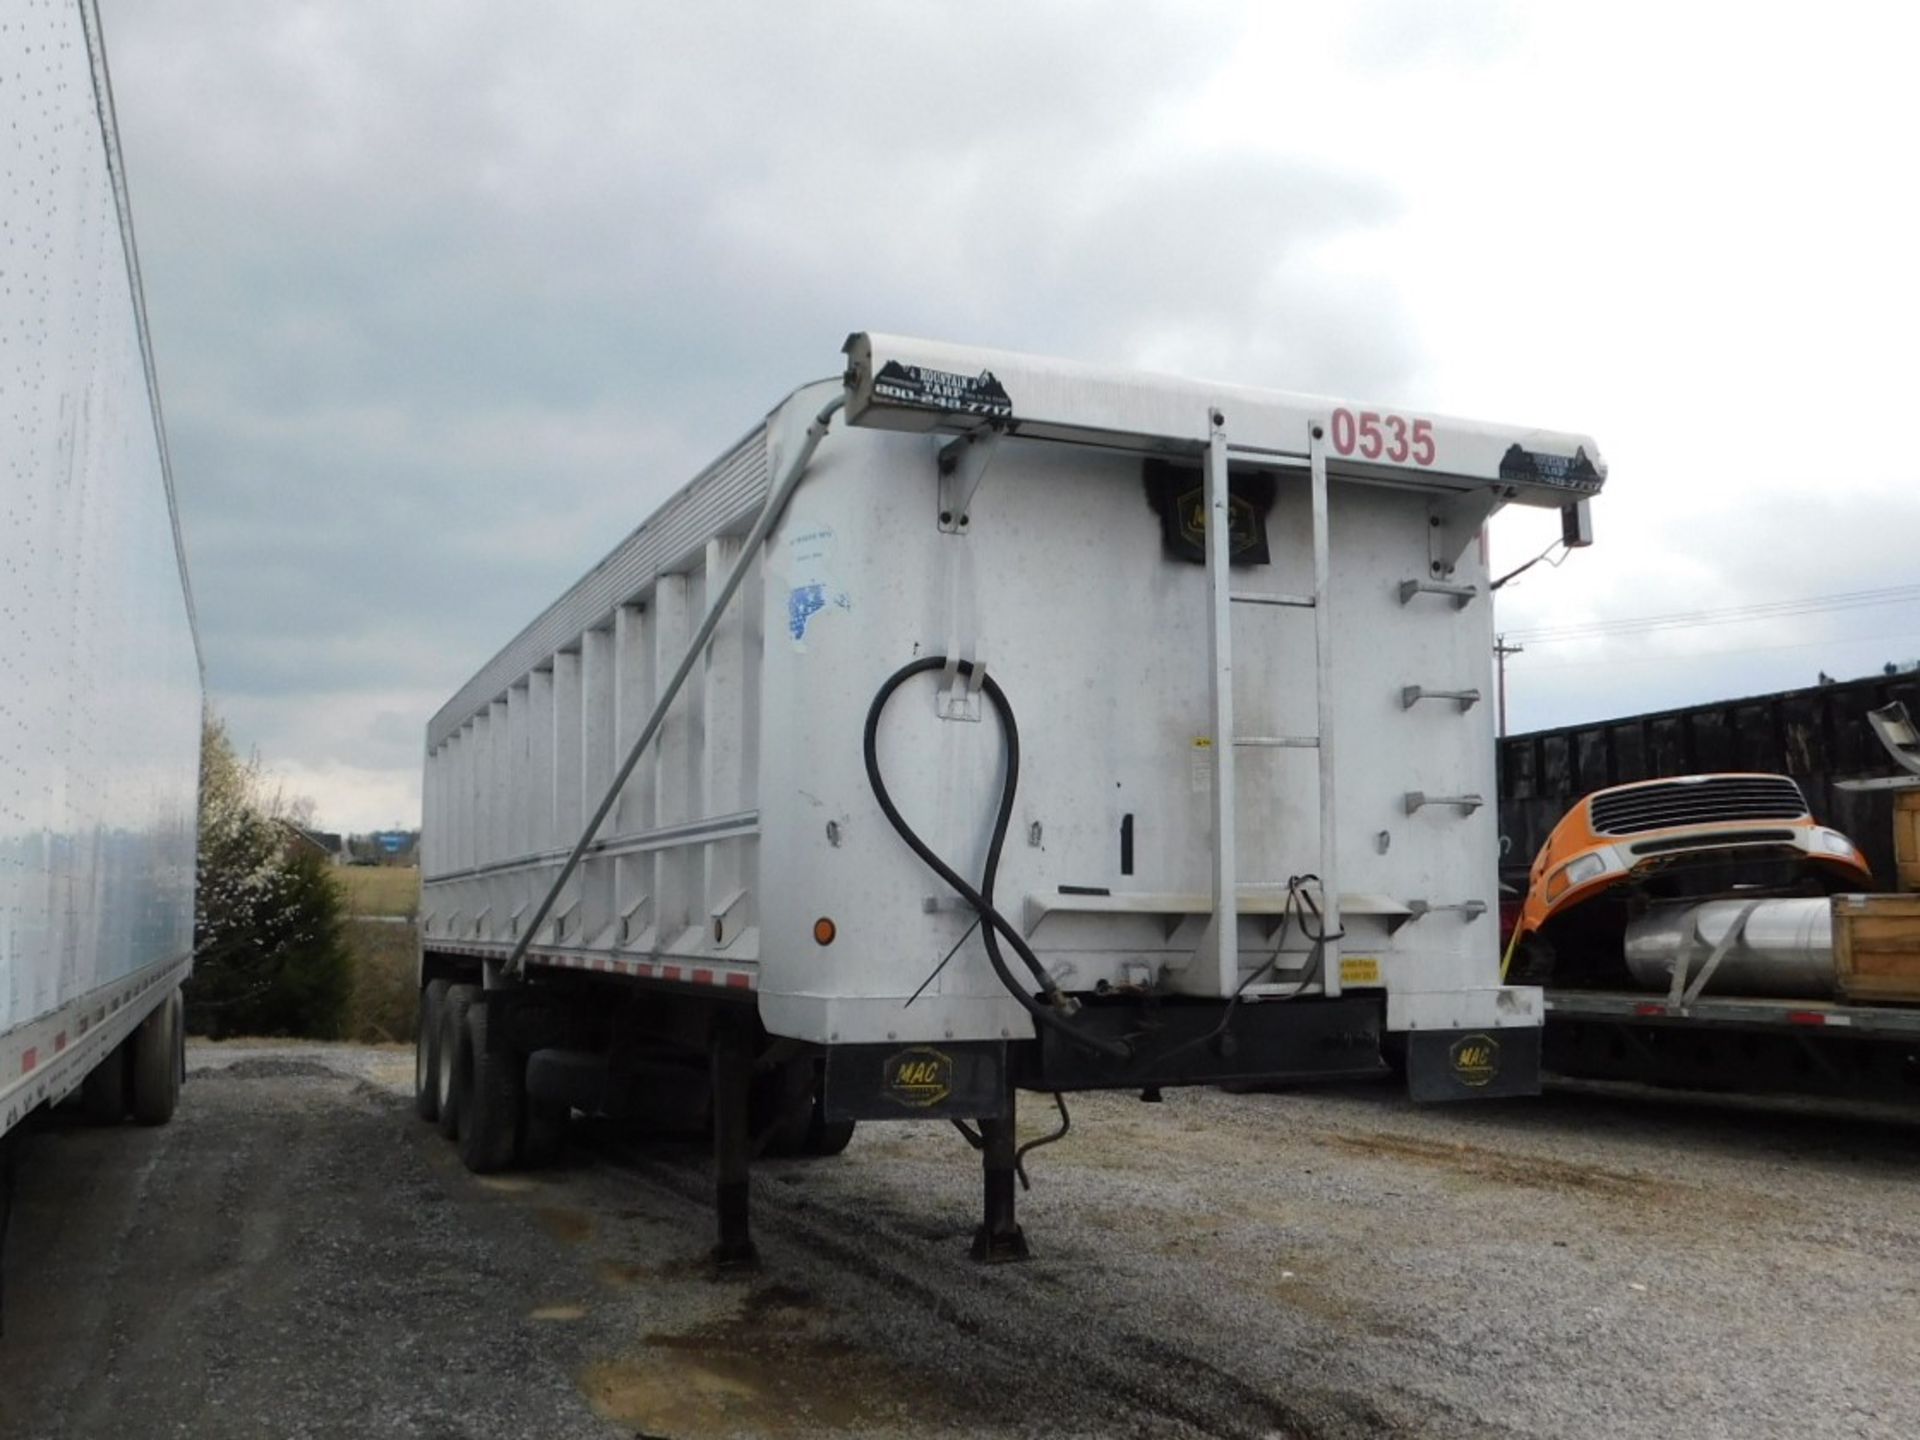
(806, 601)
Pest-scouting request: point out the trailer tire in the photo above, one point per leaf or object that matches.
(543, 1131)
(782, 1105)
(426, 1049)
(826, 1138)
(452, 1078)
(495, 1098)
(104, 1093)
(156, 1060)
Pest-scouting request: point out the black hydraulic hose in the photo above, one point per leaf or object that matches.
(996, 925)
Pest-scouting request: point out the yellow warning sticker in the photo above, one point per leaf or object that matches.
(1359, 970)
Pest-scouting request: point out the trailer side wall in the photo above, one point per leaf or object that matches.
(100, 688)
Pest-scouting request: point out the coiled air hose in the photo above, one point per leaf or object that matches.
(1055, 1011)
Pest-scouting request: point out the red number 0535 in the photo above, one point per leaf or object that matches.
(1392, 438)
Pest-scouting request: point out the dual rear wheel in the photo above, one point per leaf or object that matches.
(141, 1075)
(787, 1117)
(473, 1085)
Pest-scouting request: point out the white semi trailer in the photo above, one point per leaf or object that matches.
(100, 704)
(982, 723)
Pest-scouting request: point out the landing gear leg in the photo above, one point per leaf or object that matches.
(732, 1144)
(999, 1239)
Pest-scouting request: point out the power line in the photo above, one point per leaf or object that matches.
(1501, 649)
(1730, 615)
(1694, 657)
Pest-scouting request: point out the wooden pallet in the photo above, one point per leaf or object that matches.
(1906, 838)
(1876, 947)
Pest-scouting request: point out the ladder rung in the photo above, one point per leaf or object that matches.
(1261, 597)
(1411, 695)
(1280, 742)
(1461, 595)
(1466, 909)
(1419, 799)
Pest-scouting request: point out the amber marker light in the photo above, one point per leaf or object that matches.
(824, 931)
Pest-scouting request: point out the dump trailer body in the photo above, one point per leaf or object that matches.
(1249, 834)
(753, 818)
(100, 726)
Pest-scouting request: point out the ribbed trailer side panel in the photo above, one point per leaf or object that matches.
(511, 780)
(99, 670)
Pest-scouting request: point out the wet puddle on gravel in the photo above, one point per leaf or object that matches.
(766, 1369)
(565, 1223)
(1531, 1171)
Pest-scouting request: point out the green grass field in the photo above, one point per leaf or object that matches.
(385, 954)
(380, 889)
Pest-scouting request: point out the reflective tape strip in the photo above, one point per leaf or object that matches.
(41, 1061)
(713, 976)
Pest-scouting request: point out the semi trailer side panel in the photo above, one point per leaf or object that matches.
(100, 682)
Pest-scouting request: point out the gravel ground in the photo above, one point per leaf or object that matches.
(296, 1255)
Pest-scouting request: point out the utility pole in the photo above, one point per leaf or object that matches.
(1500, 652)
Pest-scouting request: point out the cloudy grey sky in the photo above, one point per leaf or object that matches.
(446, 296)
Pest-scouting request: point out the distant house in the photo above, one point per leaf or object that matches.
(324, 843)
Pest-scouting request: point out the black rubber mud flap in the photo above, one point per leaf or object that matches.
(954, 1080)
(1490, 1064)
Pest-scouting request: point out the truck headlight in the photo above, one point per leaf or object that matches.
(1833, 842)
(1576, 871)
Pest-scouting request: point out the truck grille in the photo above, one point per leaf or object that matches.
(1712, 801)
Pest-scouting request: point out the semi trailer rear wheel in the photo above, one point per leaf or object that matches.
(495, 1095)
(451, 1080)
(789, 1113)
(426, 1049)
(827, 1137)
(782, 1108)
(104, 1093)
(158, 1055)
(543, 1127)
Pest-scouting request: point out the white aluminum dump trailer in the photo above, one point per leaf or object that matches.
(101, 705)
(982, 723)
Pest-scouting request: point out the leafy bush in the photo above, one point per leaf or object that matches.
(269, 953)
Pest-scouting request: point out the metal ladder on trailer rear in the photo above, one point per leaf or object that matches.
(1220, 941)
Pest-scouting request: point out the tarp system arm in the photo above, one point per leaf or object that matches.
(770, 514)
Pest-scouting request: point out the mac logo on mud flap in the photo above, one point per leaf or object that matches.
(918, 1076)
(1476, 1059)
